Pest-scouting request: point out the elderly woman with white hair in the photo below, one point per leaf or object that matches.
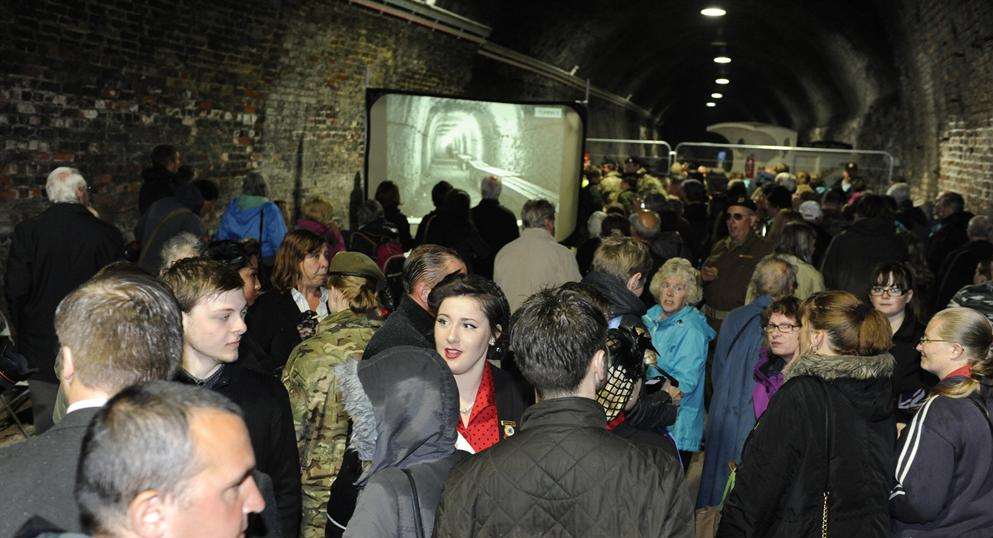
(680, 335)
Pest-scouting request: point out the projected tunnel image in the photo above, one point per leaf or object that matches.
(417, 141)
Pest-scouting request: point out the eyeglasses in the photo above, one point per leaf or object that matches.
(737, 216)
(784, 328)
(925, 340)
(674, 287)
(893, 291)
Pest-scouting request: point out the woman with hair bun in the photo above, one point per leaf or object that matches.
(945, 464)
(819, 460)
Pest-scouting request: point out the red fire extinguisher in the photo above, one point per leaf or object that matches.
(750, 167)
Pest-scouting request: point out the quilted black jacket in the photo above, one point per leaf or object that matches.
(564, 474)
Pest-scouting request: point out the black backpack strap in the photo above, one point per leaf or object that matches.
(418, 524)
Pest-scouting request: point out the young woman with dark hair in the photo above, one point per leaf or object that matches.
(471, 328)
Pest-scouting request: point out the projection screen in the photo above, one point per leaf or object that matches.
(416, 140)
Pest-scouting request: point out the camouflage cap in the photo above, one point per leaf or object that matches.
(356, 264)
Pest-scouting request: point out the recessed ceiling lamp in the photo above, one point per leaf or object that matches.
(722, 60)
(716, 95)
(711, 104)
(713, 12)
(723, 81)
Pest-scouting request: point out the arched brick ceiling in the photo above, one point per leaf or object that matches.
(801, 64)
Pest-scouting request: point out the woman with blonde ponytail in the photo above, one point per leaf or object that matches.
(945, 464)
(818, 462)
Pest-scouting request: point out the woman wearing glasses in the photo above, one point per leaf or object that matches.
(680, 335)
(945, 464)
(892, 294)
(781, 321)
(818, 462)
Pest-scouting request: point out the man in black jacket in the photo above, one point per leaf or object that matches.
(51, 255)
(115, 330)
(213, 304)
(949, 232)
(496, 224)
(563, 472)
(412, 323)
(161, 179)
(959, 267)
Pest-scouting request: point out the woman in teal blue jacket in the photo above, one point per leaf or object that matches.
(680, 335)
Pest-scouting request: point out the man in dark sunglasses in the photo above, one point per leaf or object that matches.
(728, 269)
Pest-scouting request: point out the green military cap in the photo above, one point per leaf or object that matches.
(356, 264)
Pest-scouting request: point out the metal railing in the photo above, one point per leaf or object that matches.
(790, 154)
(668, 148)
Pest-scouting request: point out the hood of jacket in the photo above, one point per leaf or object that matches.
(864, 381)
(245, 210)
(622, 301)
(687, 316)
(404, 406)
(189, 196)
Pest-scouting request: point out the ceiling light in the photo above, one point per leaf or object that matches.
(716, 95)
(711, 104)
(722, 60)
(723, 81)
(713, 12)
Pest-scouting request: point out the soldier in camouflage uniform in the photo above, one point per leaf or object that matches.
(978, 297)
(319, 419)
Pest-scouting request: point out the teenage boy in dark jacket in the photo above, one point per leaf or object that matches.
(212, 299)
(563, 472)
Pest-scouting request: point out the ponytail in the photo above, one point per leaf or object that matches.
(875, 333)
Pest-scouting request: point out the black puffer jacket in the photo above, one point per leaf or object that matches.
(564, 474)
(851, 256)
(779, 483)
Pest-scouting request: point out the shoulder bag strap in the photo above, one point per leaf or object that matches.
(418, 524)
(829, 439)
(261, 224)
(982, 409)
(158, 228)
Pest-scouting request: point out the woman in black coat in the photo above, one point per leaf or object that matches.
(471, 326)
(822, 452)
(281, 318)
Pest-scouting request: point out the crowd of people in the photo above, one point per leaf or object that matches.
(822, 349)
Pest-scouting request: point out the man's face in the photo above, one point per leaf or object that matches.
(740, 221)
(213, 328)
(216, 501)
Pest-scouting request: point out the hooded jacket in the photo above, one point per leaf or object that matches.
(623, 304)
(406, 414)
(851, 256)
(958, 269)
(681, 342)
(781, 479)
(166, 219)
(157, 183)
(948, 234)
(241, 221)
(945, 469)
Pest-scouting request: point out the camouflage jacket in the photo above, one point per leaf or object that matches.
(978, 297)
(319, 419)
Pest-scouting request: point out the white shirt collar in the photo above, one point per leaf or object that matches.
(462, 444)
(303, 305)
(86, 404)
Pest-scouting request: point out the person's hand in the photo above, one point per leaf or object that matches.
(708, 274)
(673, 392)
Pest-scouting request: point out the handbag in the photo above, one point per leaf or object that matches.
(418, 524)
(829, 433)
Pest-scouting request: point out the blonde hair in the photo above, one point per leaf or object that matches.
(679, 268)
(622, 257)
(317, 209)
(358, 290)
(972, 331)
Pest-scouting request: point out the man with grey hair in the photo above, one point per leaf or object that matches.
(120, 328)
(960, 266)
(51, 254)
(737, 351)
(534, 261)
(180, 247)
(496, 224)
(163, 459)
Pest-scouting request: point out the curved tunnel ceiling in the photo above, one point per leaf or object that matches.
(810, 64)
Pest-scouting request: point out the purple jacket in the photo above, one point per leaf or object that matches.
(768, 378)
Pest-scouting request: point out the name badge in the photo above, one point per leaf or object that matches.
(509, 427)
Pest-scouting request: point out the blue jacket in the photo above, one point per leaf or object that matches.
(681, 342)
(731, 414)
(241, 221)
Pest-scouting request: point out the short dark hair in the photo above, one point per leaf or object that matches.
(797, 239)
(902, 275)
(163, 154)
(229, 252)
(694, 191)
(123, 328)
(778, 197)
(140, 441)
(554, 336)
(426, 262)
(457, 203)
(490, 297)
(787, 306)
(388, 194)
(613, 222)
(953, 200)
(833, 196)
(438, 193)
(193, 279)
(870, 206)
(208, 189)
